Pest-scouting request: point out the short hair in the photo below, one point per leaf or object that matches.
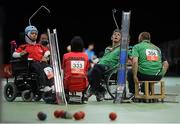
(91, 43)
(117, 30)
(77, 44)
(145, 36)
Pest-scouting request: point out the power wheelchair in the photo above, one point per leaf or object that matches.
(24, 83)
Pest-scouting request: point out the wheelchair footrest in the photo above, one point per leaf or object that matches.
(75, 99)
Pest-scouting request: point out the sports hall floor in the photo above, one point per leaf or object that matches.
(97, 112)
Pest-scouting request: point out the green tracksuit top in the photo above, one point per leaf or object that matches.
(149, 58)
(110, 57)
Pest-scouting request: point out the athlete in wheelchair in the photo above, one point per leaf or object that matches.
(32, 74)
(104, 68)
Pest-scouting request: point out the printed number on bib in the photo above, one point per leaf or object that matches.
(151, 55)
(49, 72)
(77, 67)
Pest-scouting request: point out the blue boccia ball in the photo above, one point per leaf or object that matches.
(41, 116)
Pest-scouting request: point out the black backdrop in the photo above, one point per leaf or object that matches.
(90, 19)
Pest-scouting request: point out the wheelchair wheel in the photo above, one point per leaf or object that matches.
(37, 97)
(111, 83)
(10, 92)
(49, 97)
(27, 96)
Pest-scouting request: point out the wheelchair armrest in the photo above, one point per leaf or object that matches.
(20, 60)
(20, 65)
(111, 69)
(14, 60)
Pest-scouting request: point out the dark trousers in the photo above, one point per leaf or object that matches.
(141, 77)
(38, 68)
(95, 76)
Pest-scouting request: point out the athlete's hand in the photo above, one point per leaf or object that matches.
(44, 59)
(23, 53)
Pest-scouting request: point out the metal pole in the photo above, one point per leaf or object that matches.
(36, 13)
(113, 12)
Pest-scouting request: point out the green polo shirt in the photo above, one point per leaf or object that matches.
(149, 58)
(111, 57)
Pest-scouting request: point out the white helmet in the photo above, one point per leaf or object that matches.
(30, 28)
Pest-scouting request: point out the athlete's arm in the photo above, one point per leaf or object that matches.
(135, 68)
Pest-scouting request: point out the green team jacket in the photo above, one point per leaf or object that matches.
(111, 56)
(149, 58)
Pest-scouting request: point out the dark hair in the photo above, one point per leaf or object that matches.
(44, 33)
(77, 44)
(91, 43)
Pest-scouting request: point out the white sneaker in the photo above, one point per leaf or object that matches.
(85, 102)
(130, 96)
(141, 93)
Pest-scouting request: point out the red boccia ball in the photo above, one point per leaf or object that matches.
(57, 113)
(62, 113)
(112, 116)
(77, 115)
(82, 114)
